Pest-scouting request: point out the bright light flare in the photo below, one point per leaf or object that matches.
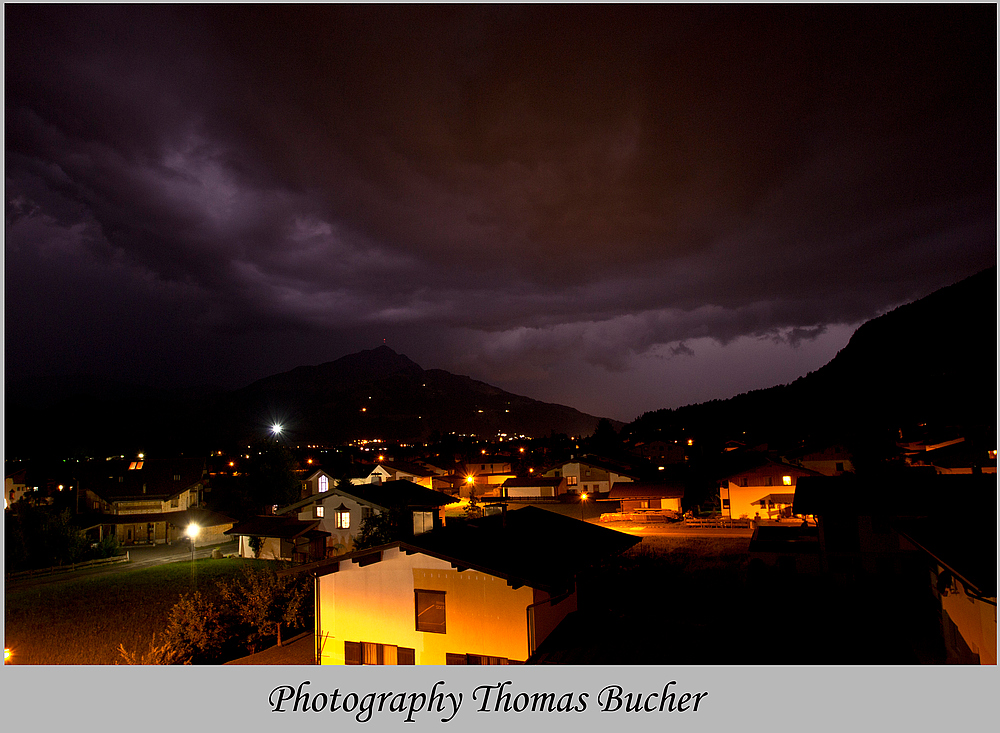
(7, 653)
(276, 428)
(193, 530)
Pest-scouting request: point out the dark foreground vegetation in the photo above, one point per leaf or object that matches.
(209, 611)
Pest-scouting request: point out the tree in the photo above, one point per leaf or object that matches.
(264, 602)
(382, 528)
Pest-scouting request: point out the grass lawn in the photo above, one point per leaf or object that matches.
(83, 620)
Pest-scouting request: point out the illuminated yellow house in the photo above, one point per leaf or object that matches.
(752, 477)
(483, 592)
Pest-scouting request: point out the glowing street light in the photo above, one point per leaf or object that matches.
(192, 532)
(276, 429)
(583, 500)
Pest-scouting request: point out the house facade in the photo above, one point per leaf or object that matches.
(401, 606)
(339, 513)
(590, 476)
(484, 592)
(648, 498)
(753, 478)
(146, 501)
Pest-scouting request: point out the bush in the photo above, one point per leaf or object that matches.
(263, 602)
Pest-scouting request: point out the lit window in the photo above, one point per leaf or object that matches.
(324, 484)
(430, 610)
(319, 512)
(786, 480)
(342, 517)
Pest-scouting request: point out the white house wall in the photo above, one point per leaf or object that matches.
(483, 615)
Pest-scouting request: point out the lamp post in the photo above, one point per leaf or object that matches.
(192, 532)
(583, 501)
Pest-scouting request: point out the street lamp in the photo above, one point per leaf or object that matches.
(583, 500)
(192, 532)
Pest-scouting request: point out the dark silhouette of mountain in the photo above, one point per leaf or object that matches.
(371, 394)
(381, 394)
(931, 362)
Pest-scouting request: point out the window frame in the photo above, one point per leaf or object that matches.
(431, 627)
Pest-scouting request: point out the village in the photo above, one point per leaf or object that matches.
(515, 550)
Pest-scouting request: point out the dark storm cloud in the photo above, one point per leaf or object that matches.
(489, 184)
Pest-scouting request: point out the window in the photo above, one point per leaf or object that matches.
(318, 514)
(725, 503)
(430, 610)
(768, 481)
(571, 480)
(786, 480)
(324, 484)
(840, 467)
(366, 513)
(342, 517)
(175, 502)
(177, 477)
(366, 652)
(744, 481)
(475, 659)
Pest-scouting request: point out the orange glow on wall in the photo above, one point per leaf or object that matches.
(376, 604)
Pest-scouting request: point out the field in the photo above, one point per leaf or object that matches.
(83, 620)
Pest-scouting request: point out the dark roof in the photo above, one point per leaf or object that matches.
(775, 499)
(527, 546)
(901, 493)
(399, 493)
(384, 495)
(151, 479)
(411, 468)
(731, 464)
(646, 490)
(283, 527)
(531, 481)
(201, 517)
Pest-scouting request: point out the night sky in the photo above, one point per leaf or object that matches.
(615, 209)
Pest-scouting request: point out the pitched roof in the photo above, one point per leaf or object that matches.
(527, 546)
(384, 495)
(151, 479)
(411, 468)
(284, 527)
(182, 518)
(646, 490)
(737, 462)
(775, 499)
(531, 481)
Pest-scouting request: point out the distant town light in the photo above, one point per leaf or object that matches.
(276, 428)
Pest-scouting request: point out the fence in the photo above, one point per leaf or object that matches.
(69, 568)
(718, 523)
